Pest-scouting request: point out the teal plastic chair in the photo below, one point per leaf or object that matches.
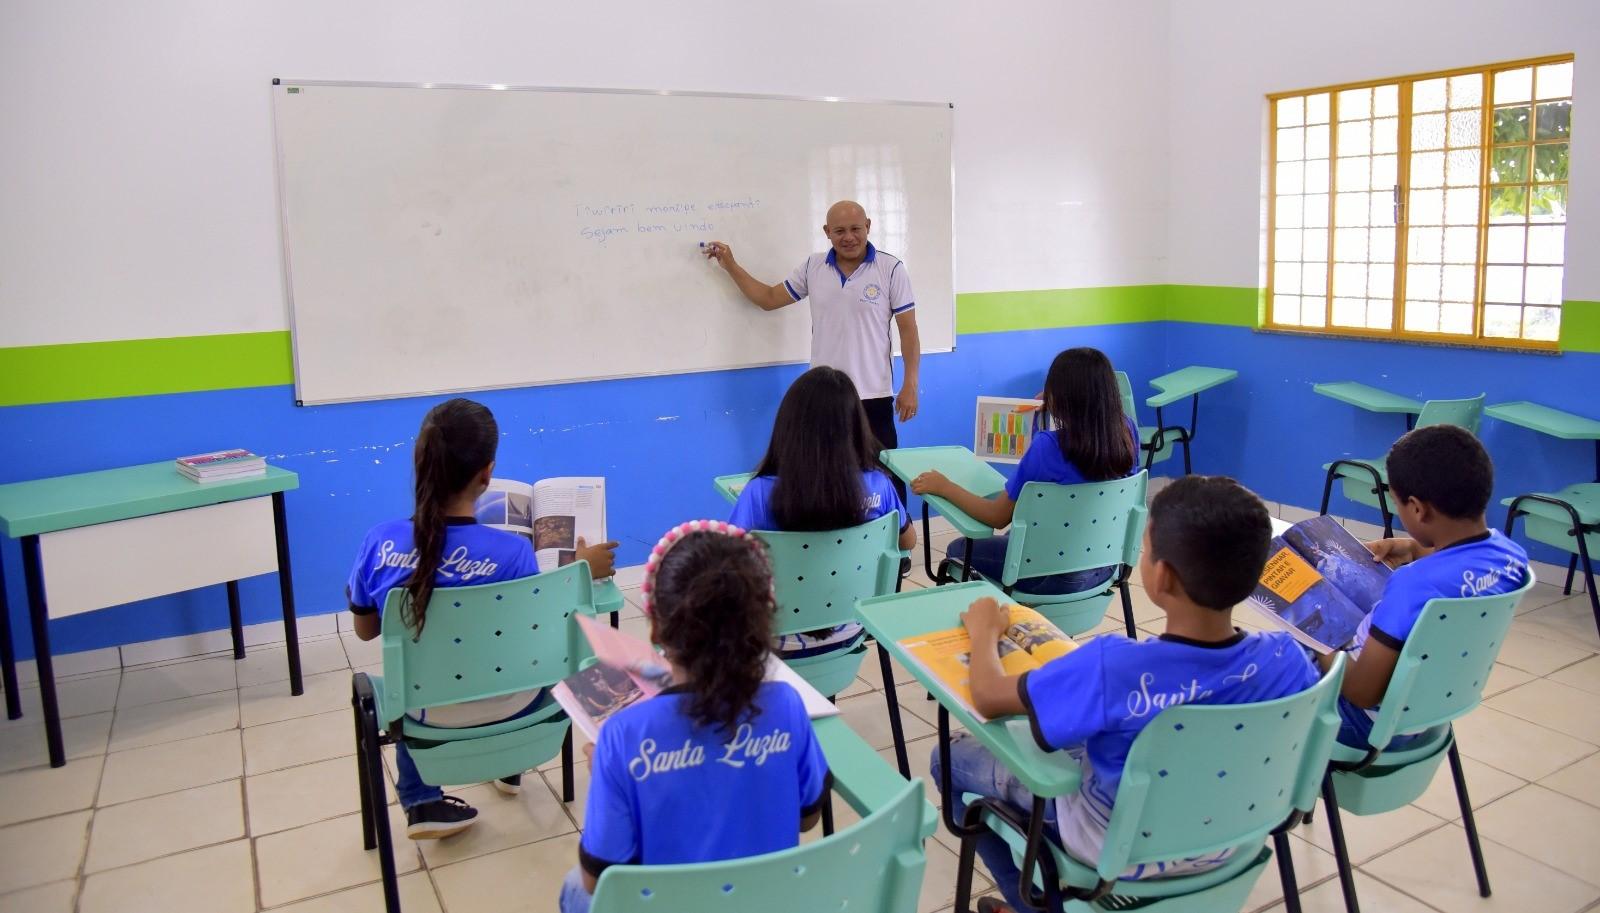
(1438, 678)
(1367, 481)
(1156, 443)
(874, 865)
(1060, 529)
(479, 642)
(1568, 519)
(1200, 779)
(817, 578)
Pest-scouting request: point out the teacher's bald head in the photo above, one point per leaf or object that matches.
(846, 229)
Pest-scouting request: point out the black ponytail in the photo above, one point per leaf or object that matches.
(713, 611)
(458, 439)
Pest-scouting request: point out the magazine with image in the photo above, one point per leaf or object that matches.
(1028, 642)
(628, 670)
(1319, 583)
(1005, 427)
(553, 514)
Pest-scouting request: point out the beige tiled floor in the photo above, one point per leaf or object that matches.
(201, 785)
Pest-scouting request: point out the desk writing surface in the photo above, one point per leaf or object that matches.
(960, 466)
(893, 618)
(865, 780)
(1187, 382)
(730, 486)
(1546, 420)
(1369, 398)
(66, 502)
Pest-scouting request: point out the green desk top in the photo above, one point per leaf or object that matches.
(1546, 420)
(1187, 382)
(901, 615)
(861, 775)
(730, 486)
(68, 502)
(1369, 398)
(960, 466)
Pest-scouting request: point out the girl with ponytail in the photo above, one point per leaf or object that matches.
(721, 764)
(442, 545)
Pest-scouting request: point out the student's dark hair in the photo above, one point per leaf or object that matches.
(1444, 466)
(821, 442)
(1215, 535)
(1081, 399)
(713, 608)
(458, 439)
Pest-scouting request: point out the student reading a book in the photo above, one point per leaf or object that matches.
(820, 472)
(1090, 441)
(720, 764)
(442, 545)
(1440, 480)
(1204, 548)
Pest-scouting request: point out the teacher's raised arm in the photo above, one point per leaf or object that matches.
(764, 296)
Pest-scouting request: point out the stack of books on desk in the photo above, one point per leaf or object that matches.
(222, 466)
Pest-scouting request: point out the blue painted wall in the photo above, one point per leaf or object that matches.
(659, 441)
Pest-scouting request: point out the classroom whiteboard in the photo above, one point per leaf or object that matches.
(449, 238)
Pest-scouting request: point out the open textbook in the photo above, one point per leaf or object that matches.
(1028, 643)
(1319, 583)
(628, 670)
(1005, 427)
(553, 514)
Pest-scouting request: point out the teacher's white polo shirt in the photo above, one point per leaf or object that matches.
(851, 316)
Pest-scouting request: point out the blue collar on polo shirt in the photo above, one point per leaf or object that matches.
(833, 260)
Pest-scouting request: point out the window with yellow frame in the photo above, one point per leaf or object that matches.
(1423, 207)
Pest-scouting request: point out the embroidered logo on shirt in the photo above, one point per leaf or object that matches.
(872, 292)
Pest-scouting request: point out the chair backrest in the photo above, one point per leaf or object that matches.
(1467, 413)
(484, 641)
(1445, 662)
(1125, 387)
(874, 865)
(1201, 778)
(1058, 529)
(818, 576)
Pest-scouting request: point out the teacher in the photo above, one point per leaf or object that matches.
(856, 291)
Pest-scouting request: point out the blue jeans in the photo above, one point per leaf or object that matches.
(989, 557)
(1355, 726)
(974, 770)
(408, 785)
(574, 899)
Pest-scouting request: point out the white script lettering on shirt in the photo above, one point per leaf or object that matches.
(1472, 584)
(1142, 703)
(456, 565)
(651, 761)
(745, 746)
(874, 501)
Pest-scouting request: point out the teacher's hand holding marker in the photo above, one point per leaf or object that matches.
(856, 292)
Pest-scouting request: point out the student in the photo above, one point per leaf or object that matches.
(821, 472)
(1092, 441)
(442, 545)
(1440, 480)
(1204, 548)
(721, 764)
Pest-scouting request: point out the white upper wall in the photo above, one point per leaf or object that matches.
(1226, 55)
(137, 179)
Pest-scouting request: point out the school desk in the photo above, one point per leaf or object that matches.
(960, 466)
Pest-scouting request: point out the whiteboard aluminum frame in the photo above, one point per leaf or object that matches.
(279, 84)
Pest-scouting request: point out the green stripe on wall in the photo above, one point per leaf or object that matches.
(141, 367)
(1234, 307)
(1580, 326)
(999, 312)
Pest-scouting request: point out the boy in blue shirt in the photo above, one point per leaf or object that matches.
(1440, 480)
(1204, 547)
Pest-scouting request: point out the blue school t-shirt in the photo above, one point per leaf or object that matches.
(473, 554)
(1101, 695)
(1487, 564)
(664, 790)
(753, 510)
(1044, 462)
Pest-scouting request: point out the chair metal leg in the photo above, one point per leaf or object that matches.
(966, 862)
(235, 619)
(827, 813)
(380, 815)
(1341, 853)
(894, 712)
(1572, 568)
(8, 657)
(369, 837)
(616, 619)
(1291, 885)
(567, 792)
(1127, 611)
(1468, 821)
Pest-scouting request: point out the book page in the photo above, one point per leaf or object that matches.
(594, 695)
(507, 505)
(1342, 560)
(1297, 598)
(1028, 643)
(1005, 428)
(565, 510)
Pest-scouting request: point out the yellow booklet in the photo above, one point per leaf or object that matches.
(1028, 643)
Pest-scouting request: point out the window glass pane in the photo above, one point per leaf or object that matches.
(1509, 165)
(1422, 282)
(1427, 169)
(1546, 243)
(1508, 204)
(1506, 243)
(1286, 278)
(1291, 112)
(1458, 283)
(1466, 127)
(1427, 207)
(1349, 246)
(1290, 175)
(1286, 310)
(1286, 244)
(1314, 278)
(1355, 104)
(1547, 203)
(1355, 173)
(1455, 317)
(1422, 316)
(1380, 280)
(1555, 120)
(1349, 280)
(1513, 85)
(1544, 285)
(1316, 245)
(1382, 208)
(1314, 311)
(1461, 245)
(1502, 321)
(1550, 162)
(1355, 138)
(1461, 206)
(1502, 283)
(1316, 212)
(1291, 143)
(1428, 95)
(1380, 245)
(1427, 246)
(1383, 172)
(1316, 178)
(1543, 324)
(1466, 91)
(1288, 212)
(1511, 124)
(1350, 209)
(1386, 135)
(1380, 314)
(1427, 131)
(1317, 142)
(1350, 312)
(1386, 99)
(1317, 108)
(1462, 168)
(1555, 80)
